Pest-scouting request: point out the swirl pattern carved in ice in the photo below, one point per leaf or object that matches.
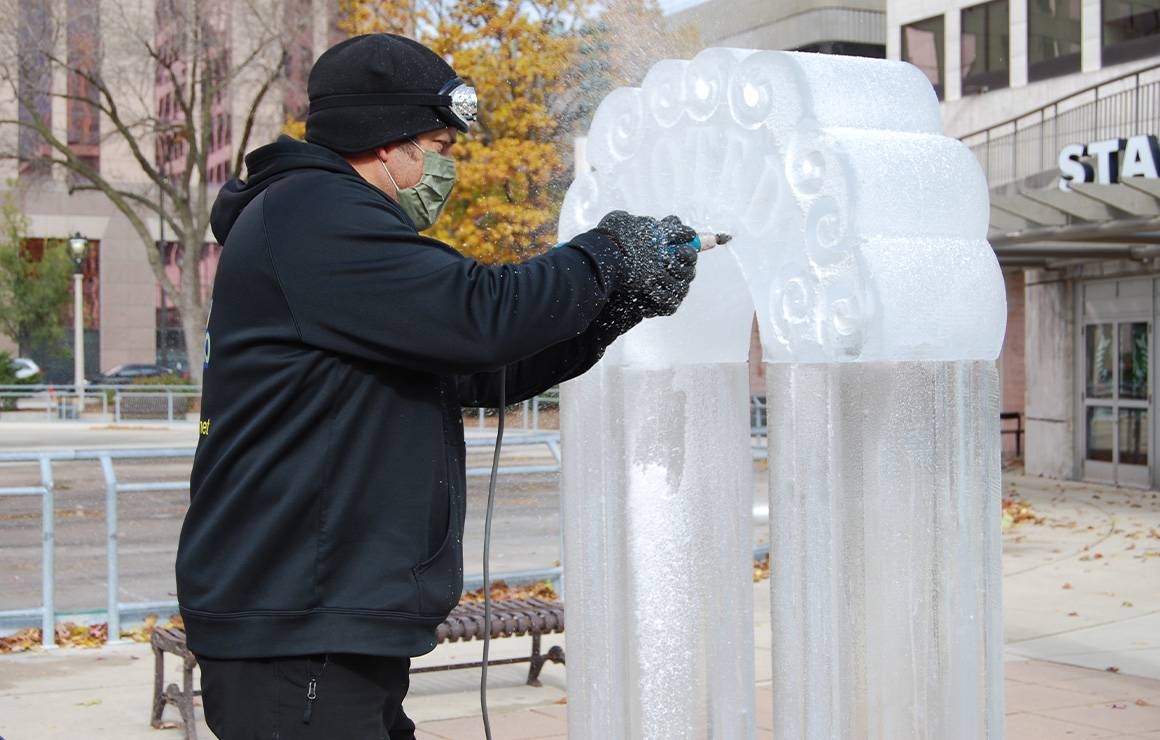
(851, 214)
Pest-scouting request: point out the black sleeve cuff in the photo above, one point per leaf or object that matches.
(605, 255)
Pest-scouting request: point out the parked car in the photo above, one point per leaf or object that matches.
(123, 374)
(25, 368)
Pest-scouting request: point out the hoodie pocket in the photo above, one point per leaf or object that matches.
(439, 579)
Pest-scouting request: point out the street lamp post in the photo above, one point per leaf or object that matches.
(78, 246)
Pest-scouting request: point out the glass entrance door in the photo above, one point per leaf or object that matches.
(1116, 402)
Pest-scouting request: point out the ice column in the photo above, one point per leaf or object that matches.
(883, 530)
(658, 495)
(860, 232)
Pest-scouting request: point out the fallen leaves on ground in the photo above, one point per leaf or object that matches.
(761, 569)
(82, 636)
(501, 590)
(18, 642)
(1017, 512)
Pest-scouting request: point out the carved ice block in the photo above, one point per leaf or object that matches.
(859, 236)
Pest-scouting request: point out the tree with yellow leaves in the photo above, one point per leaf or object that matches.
(539, 68)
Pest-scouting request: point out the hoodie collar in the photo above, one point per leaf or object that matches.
(265, 166)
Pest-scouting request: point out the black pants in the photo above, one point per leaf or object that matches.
(318, 697)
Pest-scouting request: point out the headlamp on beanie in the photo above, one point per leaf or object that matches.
(463, 103)
(455, 102)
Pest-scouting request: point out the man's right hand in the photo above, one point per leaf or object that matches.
(660, 263)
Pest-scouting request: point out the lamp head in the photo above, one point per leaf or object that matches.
(77, 246)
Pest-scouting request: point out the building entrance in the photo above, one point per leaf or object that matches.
(1117, 397)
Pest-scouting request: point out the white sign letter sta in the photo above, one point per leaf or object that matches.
(1141, 157)
(1071, 168)
(1107, 163)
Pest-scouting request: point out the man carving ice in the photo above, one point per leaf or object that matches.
(322, 545)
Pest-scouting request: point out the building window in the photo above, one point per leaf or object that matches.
(1131, 30)
(84, 122)
(922, 46)
(986, 47)
(298, 58)
(1053, 38)
(846, 48)
(34, 90)
(178, 59)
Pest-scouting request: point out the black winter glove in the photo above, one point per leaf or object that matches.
(658, 279)
(676, 232)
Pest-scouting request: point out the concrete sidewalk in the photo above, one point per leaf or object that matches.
(1081, 618)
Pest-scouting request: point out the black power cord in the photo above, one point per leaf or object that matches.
(487, 552)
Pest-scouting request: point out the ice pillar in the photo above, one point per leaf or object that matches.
(658, 494)
(884, 501)
(861, 235)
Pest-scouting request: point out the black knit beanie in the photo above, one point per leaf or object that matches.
(351, 88)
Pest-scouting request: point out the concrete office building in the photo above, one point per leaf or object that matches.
(852, 27)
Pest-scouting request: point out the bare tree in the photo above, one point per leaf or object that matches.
(169, 92)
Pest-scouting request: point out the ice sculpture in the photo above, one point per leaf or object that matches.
(859, 233)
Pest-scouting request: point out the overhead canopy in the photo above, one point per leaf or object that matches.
(1050, 227)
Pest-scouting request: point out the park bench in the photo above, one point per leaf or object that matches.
(509, 618)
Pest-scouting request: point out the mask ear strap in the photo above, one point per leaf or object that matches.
(392, 179)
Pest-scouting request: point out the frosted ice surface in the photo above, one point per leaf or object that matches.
(813, 163)
(857, 92)
(889, 183)
(966, 286)
(658, 490)
(886, 603)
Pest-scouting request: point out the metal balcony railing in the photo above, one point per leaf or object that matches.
(1029, 145)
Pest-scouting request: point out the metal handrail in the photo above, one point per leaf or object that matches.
(1028, 145)
(530, 410)
(47, 491)
(65, 402)
(48, 525)
(116, 610)
(114, 607)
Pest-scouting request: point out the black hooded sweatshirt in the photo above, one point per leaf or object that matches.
(327, 492)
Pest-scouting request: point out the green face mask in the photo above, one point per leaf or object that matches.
(425, 201)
